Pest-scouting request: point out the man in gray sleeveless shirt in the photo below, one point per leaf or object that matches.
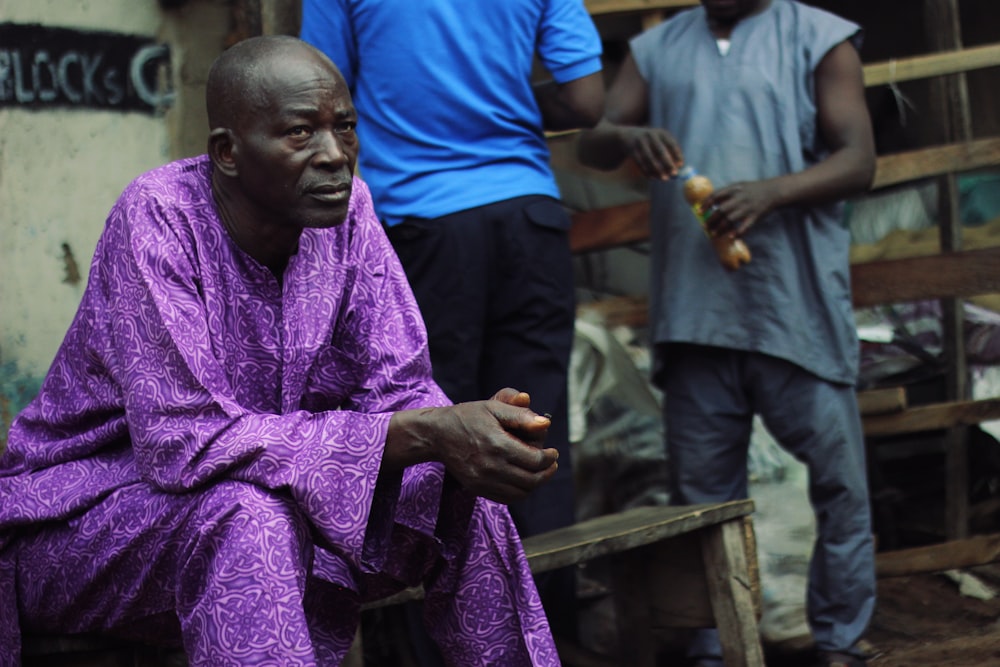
(766, 98)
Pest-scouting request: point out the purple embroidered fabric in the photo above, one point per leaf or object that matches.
(203, 459)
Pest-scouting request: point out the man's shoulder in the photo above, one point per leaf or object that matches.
(817, 30)
(808, 14)
(171, 180)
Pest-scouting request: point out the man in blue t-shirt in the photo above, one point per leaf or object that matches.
(454, 153)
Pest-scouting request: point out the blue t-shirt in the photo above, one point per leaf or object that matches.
(447, 117)
(747, 115)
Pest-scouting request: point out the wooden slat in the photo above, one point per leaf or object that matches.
(952, 555)
(935, 64)
(609, 227)
(933, 417)
(882, 401)
(958, 274)
(599, 7)
(606, 535)
(612, 533)
(605, 228)
(897, 168)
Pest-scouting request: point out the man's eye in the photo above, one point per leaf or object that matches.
(344, 128)
(299, 131)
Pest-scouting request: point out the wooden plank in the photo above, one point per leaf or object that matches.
(730, 590)
(606, 535)
(881, 401)
(681, 571)
(614, 533)
(958, 274)
(933, 417)
(952, 555)
(652, 18)
(930, 65)
(599, 7)
(600, 229)
(280, 17)
(897, 168)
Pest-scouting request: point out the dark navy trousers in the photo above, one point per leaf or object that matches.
(495, 288)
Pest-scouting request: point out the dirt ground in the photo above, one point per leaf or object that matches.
(925, 620)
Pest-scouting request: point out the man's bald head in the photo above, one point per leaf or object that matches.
(234, 86)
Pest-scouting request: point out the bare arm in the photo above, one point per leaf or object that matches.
(571, 105)
(620, 134)
(844, 124)
(492, 447)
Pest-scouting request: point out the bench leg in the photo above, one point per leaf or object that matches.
(730, 590)
(633, 609)
(355, 656)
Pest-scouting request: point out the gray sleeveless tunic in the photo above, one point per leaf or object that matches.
(745, 116)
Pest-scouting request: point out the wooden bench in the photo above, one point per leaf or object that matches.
(692, 566)
(673, 567)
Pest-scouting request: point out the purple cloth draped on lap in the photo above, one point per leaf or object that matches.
(198, 404)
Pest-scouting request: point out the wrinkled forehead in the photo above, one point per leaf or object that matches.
(272, 82)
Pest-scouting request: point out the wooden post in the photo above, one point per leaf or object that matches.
(950, 95)
(252, 18)
(281, 17)
(731, 592)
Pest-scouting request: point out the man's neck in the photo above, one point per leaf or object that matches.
(722, 27)
(267, 242)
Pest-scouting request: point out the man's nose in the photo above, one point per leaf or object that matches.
(329, 149)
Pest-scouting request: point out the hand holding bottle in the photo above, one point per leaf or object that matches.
(732, 251)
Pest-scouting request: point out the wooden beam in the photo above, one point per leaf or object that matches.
(882, 401)
(952, 555)
(280, 17)
(930, 65)
(614, 533)
(933, 417)
(914, 165)
(960, 274)
(605, 228)
(601, 229)
(606, 535)
(598, 7)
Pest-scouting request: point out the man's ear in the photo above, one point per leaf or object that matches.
(222, 150)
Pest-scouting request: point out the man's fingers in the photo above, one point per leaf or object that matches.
(516, 485)
(512, 396)
(519, 419)
(532, 459)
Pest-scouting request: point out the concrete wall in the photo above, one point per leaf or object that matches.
(62, 169)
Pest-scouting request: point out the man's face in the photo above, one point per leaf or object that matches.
(730, 11)
(296, 148)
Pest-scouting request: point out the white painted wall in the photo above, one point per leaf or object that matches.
(60, 173)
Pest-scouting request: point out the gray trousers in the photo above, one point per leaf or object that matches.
(710, 398)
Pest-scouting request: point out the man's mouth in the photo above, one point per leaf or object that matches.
(330, 193)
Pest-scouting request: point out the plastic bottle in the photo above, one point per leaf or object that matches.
(732, 252)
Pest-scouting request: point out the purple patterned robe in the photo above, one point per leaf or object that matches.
(194, 389)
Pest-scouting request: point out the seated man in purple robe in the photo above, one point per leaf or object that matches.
(239, 441)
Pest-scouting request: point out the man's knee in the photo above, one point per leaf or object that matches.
(233, 512)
